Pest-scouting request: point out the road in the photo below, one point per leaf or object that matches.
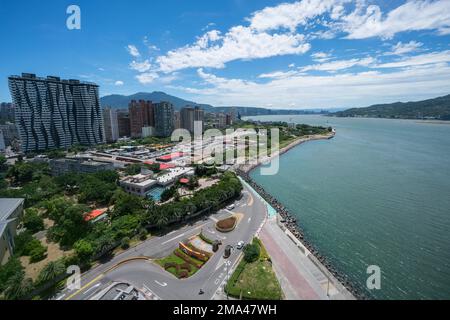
(135, 265)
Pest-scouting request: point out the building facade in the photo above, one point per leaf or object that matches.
(60, 167)
(111, 125)
(164, 119)
(189, 116)
(123, 120)
(11, 210)
(52, 113)
(6, 112)
(141, 115)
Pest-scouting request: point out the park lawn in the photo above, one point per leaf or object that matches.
(256, 280)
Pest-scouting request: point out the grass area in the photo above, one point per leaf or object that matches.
(255, 280)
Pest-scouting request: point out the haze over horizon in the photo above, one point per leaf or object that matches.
(272, 54)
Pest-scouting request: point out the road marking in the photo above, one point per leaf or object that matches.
(249, 219)
(93, 287)
(179, 236)
(60, 297)
(163, 284)
(84, 287)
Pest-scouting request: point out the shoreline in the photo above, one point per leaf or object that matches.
(290, 220)
(248, 168)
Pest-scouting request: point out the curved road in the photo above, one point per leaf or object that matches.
(150, 277)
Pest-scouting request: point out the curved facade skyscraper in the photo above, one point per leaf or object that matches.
(52, 113)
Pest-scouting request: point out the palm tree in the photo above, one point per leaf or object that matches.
(51, 271)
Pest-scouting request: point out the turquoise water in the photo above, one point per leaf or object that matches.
(155, 193)
(376, 194)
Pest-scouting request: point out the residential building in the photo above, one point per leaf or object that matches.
(52, 113)
(123, 120)
(6, 112)
(111, 125)
(189, 116)
(177, 120)
(164, 119)
(148, 132)
(2, 141)
(60, 167)
(11, 210)
(141, 115)
(10, 134)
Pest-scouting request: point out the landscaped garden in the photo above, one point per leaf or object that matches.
(186, 260)
(254, 277)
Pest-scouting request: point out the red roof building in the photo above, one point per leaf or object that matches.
(94, 214)
(170, 157)
(184, 180)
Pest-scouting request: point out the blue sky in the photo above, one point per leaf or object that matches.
(293, 54)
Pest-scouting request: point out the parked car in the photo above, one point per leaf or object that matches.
(240, 245)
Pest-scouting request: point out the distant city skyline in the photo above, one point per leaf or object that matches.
(271, 54)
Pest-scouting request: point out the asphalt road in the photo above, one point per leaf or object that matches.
(150, 277)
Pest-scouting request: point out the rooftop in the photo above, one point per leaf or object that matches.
(7, 206)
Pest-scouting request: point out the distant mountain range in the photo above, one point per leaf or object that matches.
(121, 102)
(437, 108)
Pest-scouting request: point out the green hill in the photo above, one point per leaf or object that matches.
(437, 108)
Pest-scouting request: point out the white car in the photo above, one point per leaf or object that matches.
(230, 207)
(240, 245)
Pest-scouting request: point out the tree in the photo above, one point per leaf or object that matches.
(125, 204)
(133, 169)
(251, 252)
(33, 221)
(9, 270)
(51, 271)
(3, 165)
(18, 287)
(84, 250)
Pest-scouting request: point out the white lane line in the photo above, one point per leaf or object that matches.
(60, 297)
(249, 219)
(179, 236)
(91, 288)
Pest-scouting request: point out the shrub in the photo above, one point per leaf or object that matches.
(169, 265)
(186, 258)
(37, 253)
(125, 243)
(251, 252)
(182, 274)
(186, 266)
(143, 234)
(33, 221)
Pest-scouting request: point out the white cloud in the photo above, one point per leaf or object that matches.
(337, 90)
(365, 22)
(140, 66)
(402, 48)
(147, 77)
(418, 60)
(340, 64)
(133, 50)
(119, 83)
(291, 15)
(277, 74)
(213, 50)
(321, 56)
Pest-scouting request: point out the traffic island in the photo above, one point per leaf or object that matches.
(227, 225)
(188, 258)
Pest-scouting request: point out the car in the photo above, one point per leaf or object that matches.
(230, 207)
(227, 252)
(240, 245)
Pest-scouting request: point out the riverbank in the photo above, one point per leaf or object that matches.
(266, 160)
(290, 223)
